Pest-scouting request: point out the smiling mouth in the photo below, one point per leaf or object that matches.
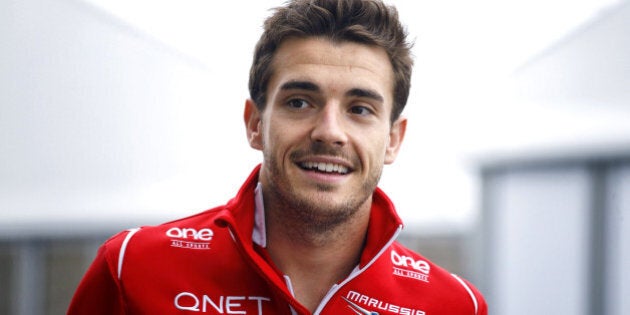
(328, 168)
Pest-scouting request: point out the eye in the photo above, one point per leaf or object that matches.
(297, 103)
(360, 110)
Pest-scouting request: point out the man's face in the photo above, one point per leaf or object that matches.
(325, 132)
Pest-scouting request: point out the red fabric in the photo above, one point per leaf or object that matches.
(208, 264)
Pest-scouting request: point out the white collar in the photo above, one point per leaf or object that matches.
(259, 234)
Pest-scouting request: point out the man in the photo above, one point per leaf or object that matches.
(309, 231)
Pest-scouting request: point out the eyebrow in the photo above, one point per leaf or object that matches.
(300, 85)
(310, 86)
(365, 93)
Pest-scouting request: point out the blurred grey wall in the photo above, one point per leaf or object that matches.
(556, 217)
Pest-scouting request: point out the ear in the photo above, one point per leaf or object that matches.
(396, 136)
(253, 125)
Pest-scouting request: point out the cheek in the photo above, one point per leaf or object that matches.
(271, 136)
(371, 150)
(276, 142)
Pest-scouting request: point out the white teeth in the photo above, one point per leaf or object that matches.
(326, 167)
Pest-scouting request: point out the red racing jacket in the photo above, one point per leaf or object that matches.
(215, 263)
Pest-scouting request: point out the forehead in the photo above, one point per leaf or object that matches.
(343, 65)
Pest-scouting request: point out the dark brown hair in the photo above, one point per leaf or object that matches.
(369, 22)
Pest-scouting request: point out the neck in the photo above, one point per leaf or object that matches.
(315, 258)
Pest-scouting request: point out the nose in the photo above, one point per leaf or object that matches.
(329, 128)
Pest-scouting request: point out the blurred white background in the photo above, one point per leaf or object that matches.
(515, 168)
(130, 111)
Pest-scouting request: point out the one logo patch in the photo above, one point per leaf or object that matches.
(190, 238)
(405, 266)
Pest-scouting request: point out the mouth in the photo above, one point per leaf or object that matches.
(327, 168)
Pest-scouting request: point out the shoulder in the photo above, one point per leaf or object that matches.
(431, 277)
(193, 232)
(200, 226)
(190, 226)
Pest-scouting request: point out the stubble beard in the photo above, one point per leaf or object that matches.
(309, 216)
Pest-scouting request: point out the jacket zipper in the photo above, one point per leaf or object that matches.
(239, 244)
(355, 273)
